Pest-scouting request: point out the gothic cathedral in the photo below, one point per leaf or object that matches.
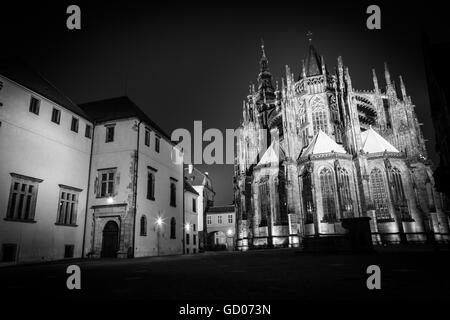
(317, 151)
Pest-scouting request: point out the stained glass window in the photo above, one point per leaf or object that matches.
(307, 196)
(346, 196)
(328, 199)
(379, 193)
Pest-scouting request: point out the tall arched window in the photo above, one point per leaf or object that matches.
(264, 200)
(328, 199)
(173, 228)
(143, 226)
(398, 185)
(380, 198)
(400, 203)
(319, 119)
(345, 192)
(307, 196)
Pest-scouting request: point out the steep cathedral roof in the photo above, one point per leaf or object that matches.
(313, 62)
(372, 142)
(273, 154)
(322, 143)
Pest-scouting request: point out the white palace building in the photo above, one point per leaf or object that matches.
(90, 180)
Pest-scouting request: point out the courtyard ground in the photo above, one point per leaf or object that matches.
(278, 274)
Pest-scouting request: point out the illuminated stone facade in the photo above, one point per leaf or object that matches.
(330, 152)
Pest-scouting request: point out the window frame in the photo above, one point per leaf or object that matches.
(143, 226)
(31, 107)
(380, 196)
(88, 131)
(75, 124)
(147, 137)
(58, 113)
(152, 184)
(110, 133)
(173, 228)
(108, 193)
(327, 190)
(68, 199)
(22, 200)
(173, 193)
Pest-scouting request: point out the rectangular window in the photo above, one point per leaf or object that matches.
(157, 141)
(56, 115)
(69, 250)
(147, 137)
(194, 227)
(34, 105)
(151, 186)
(230, 218)
(187, 238)
(9, 252)
(74, 125)
(194, 205)
(194, 239)
(208, 219)
(173, 194)
(109, 134)
(67, 206)
(88, 131)
(22, 198)
(219, 219)
(106, 180)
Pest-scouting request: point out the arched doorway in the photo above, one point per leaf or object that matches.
(110, 243)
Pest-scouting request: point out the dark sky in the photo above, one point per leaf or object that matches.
(194, 61)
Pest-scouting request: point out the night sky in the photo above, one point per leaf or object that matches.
(195, 61)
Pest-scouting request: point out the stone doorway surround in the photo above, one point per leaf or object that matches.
(101, 216)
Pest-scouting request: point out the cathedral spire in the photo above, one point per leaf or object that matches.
(263, 62)
(313, 62)
(375, 81)
(402, 88)
(348, 80)
(265, 87)
(387, 75)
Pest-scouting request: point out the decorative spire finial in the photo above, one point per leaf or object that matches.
(262, 48)
(309, 34)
